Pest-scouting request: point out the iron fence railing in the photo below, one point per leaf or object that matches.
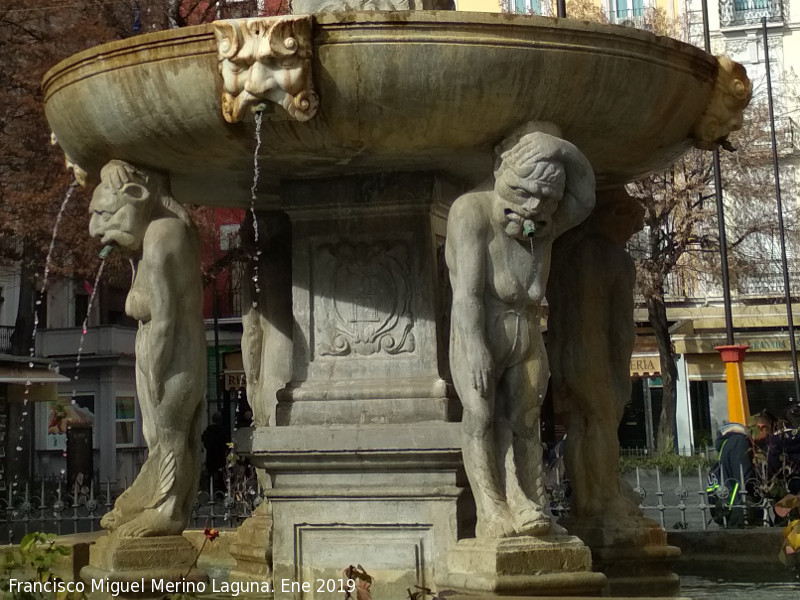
(49, 506)
(676, 500)
(682, 501)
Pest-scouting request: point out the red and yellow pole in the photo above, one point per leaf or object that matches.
(733, 357)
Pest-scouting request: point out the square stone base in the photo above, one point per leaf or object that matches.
(632, 552)
(385, 497)
(521, 566)
(253, 548)
(143, 567)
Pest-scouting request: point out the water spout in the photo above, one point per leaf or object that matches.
(103, 255)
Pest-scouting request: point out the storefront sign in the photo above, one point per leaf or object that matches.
(645, 365)
(234, 381)
(770, 344)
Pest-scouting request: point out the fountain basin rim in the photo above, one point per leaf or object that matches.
(331, 22)
(398, 92)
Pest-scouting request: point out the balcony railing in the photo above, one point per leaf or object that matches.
(686, 283)
(635, 17)
(767, 284)
(5, 338)
(100, 341)
(749, 12)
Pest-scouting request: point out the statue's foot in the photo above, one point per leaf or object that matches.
(150, 523)
(495, 526)
(556, 529)
(531, 521)
(116, 517)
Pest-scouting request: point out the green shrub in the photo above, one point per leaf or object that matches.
(33, 561)
(666, 463)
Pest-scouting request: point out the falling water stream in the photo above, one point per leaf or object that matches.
(42, 295)
(103, 256)
(256, 257)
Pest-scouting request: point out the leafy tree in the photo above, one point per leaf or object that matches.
(34, 36)
(678, 252)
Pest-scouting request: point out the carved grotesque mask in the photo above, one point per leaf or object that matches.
(723, 115)
(120, 206)
(266, 60)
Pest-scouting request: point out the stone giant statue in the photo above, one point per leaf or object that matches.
(498, 251)
(267, 322)
(133, 210)
(590, 338)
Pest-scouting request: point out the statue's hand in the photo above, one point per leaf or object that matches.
(156, 388)
(481, 368)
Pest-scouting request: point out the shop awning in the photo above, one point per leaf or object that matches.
(23, 375)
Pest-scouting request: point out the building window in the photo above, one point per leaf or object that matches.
(81, 307)
(525, 7)
(626, 12)
(228, 237)
(126, 421)
(67, 412)
(749, 12)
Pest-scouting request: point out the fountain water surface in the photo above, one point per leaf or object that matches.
(370, 126)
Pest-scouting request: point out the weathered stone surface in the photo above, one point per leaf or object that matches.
(589, 343)
(632, 552)
(517, 566)
(384, 102)
(253, 547)
(383, 496)
(267, 322)
(264, 60)
(366, 346)
(498, 251)
(132, 209)
(139, 562)
(723, 115)
(302, 7)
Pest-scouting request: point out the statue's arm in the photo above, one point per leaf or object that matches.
(622, 329)
(162, 253)
(252, 339)
(465, 253)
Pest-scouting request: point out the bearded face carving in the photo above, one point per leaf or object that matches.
(266, 60)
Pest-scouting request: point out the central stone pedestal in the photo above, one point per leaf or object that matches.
(632, 552)
(556, 565)
(149, 567)
(382, 497)
(365, 457)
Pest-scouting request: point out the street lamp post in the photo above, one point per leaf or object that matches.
(732, 355)
(786, 288)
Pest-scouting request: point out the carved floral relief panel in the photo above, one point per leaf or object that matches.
(362, 299)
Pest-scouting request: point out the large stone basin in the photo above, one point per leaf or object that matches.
(405, 91)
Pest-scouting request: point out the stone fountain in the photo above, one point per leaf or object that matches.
(372, 125)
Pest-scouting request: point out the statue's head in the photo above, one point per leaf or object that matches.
(122, 204)
(545, 181)
(723, 115)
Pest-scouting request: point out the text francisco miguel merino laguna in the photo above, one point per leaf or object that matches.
(234, 588)
(115, 588)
